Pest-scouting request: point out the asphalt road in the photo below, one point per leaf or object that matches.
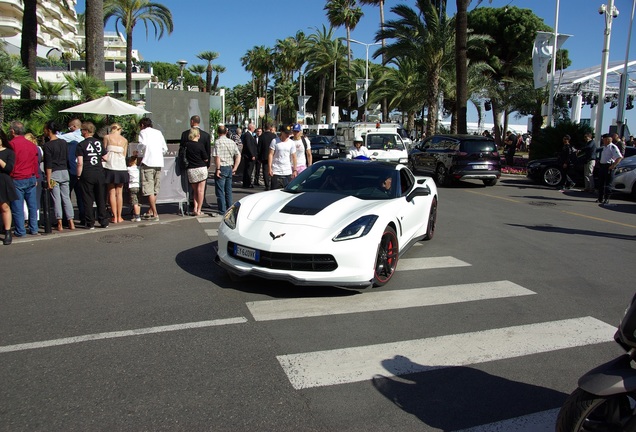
(485, 327)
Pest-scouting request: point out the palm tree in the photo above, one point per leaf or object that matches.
(344, 13)
(128, 13)
(218, 70)
(94, 31)
(49, 90)
(11, 71)
(199, 70)
(29, 44)
(86, 87)
(461, 64)
(260, 62)
(326, 51)
(427, 37)
(208, 56)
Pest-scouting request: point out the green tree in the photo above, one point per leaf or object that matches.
(11, 71)
(218, 70)
(199, 70)
(208, 56)
(128, 13)
(429, 38)
(348, 14)
(49, 90)
(86, 87)
(259, 61)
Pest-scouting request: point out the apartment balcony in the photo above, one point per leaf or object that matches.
(11, 7)
(10, 26)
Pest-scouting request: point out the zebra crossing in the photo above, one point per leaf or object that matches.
(342, 366)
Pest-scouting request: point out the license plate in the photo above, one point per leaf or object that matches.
(247, 253)
(480, 167)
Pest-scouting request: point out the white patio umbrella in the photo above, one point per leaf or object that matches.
(106, 106)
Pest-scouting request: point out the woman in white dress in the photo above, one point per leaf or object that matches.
(116, 170)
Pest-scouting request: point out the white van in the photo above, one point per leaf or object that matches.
(386, 146)
(346, 131)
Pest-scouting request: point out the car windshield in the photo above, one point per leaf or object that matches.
(383, 142)
(367, 180)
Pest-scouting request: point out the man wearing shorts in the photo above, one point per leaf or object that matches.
(153, 146)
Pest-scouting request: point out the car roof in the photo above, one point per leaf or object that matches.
(463, 137)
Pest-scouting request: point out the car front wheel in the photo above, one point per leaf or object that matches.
(387, 257)
(552, 176)
(432, 219)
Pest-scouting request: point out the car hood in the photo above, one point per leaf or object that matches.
(315, 209)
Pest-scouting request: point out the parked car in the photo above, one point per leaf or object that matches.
(323, 147)
(457, 157)
(549, 173)
(625, 177)
(339, 223)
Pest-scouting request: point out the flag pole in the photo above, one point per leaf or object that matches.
(553, 66)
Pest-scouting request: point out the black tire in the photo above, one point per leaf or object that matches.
(432, 219)
(490, 182)
(552, 176)
(584, 411)
(441, 175)
(386, 257)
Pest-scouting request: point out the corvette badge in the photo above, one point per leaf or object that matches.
(274, 237)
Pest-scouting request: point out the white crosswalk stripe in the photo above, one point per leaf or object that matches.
(429, 263)
(384, 300)
(347, 365)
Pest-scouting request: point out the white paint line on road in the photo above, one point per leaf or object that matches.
(208, 220)
(268, 310)
(429, 263)
(123, 333)
(347, 365)
(543, 421)
(212, 232)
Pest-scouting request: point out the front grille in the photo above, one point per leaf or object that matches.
(290, 261)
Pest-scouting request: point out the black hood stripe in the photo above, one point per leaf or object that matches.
(311, 203)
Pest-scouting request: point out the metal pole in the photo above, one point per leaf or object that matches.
(609, 15)
(622, 95)
(553, 66)
(366, 86)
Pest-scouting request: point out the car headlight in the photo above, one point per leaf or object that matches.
(624, 169)
(357, 229)
(231, 216)
(404, 160)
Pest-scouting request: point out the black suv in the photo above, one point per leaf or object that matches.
(457, 157)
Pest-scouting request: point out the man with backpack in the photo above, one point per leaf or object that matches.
(303, 148)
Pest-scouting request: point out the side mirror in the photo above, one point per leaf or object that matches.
(418, 191)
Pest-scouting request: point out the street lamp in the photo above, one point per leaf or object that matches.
(366, 77)
(609, 12)
(182, 64)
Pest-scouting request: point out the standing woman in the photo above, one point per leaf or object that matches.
(197, 168)
(57, 177)
(7, 189)
(116, 170)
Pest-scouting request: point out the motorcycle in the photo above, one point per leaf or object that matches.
(605, 399)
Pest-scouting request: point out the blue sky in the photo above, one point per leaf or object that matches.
(231, 28)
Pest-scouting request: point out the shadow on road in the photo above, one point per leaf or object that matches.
(454, 398)
(564, 230)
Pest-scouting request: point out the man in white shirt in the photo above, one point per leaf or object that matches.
(610, 157)
(282, 159)
(152, 145)
(303, 148)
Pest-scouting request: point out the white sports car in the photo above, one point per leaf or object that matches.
(340, 222)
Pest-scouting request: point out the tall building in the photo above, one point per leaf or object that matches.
(57, 25)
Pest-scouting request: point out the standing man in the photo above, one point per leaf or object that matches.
(92, 179)
(282, 159)
(566, 160)
(204, 137)
(263, 153)
(73, 137)
(248, 155)
(619, 143)
(153, 146)
(227, 159)
(589, 158)
(25, 178)
(610, 157)
(258, 163)
(303, 148)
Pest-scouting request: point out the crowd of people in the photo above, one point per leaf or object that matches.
(76, 162)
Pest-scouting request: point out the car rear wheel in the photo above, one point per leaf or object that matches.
(387, 257)
(432, 219)
(552, 176)
(441, 175)
(490, 182)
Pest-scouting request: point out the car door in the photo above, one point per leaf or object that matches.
(431, 153)
(411, 214)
